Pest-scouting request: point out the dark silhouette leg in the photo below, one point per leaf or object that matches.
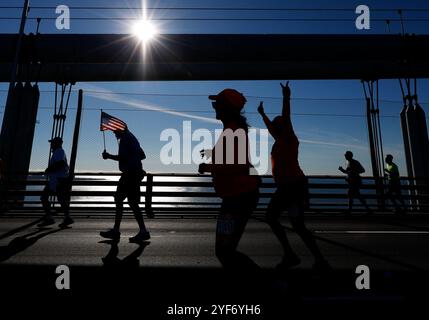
(228, 235)
(275, 208)
(351, 195)
(362, 200)
(120, 195)
(119, 211)
(45, 201)
(231, 223)
(137, 214)
(391, 197)
(350, 203)
(47, 219)
(401, 200)
(133, 194)
(394, 192)
(297, 221)
(64, 203)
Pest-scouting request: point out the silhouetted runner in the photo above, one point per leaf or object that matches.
(394, 184)
(129, 157)
(353, 171)
(58, 184)
(230, 169)
(292, 187)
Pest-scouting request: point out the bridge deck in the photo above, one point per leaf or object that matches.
(179, 266)
(382, 242)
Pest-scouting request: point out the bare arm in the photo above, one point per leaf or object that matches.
(267, 121)
(286, 100)
(224, 169)
(286, 115)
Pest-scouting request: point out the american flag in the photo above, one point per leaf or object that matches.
(109, 122)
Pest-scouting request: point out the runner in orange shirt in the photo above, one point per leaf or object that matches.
(230, 168)
(292, 186)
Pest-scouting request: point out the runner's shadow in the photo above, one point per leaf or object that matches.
(19, 229)
(130, 261)
(22, 243)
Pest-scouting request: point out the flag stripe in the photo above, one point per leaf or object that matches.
(111, 123)
(115, 119)
(112, 127)
(108, 127)
(121, 123)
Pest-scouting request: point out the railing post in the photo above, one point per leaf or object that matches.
(148, 194)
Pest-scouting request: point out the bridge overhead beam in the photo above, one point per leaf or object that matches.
(115, 57)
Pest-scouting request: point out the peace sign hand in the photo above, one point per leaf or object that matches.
(285, 89)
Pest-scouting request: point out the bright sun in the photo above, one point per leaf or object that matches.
(144, 30)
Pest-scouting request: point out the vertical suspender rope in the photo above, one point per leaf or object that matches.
(64, 115)
(379, 132)
(375, 130)
(54, 119)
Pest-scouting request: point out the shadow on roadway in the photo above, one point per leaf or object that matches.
(22, 243)
(132, 260)
(19, 229)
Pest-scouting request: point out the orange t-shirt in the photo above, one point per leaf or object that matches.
(284, 156)
(232, 178)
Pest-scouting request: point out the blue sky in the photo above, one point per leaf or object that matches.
(324, 138)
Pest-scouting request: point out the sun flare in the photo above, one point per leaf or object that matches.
(144, 30)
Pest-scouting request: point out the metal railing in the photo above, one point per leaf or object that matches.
(185, 194)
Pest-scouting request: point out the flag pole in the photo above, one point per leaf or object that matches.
(104, 135)
(104, 141)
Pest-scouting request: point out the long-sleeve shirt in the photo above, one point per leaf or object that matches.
(130, 153)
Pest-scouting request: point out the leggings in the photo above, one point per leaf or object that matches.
(231, 222)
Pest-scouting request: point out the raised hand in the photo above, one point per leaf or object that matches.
(285, 89)
(261, 107)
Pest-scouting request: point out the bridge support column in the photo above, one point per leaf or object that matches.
(416, 145)
(375, 140)
(17, 132)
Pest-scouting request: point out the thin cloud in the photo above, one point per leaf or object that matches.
(333, 144)
(113, 97)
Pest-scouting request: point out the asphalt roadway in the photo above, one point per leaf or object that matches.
(178, 265)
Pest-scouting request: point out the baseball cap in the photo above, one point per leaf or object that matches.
(56, 139)
(230, 97)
